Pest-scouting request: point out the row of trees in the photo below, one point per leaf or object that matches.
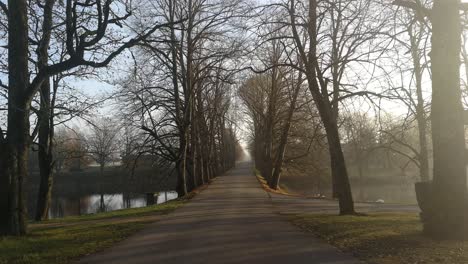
(179, 91)
(49, 41)
(46, 40)
(310, 59)
(341, 51)
(317, 45)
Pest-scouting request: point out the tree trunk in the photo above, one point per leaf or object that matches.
(180, 163)
(193, 143)
(284, 139)
(215, 160)
(44, 154)
(278, 166)
(150, 200)
(338, 168)
(45, 119)
(201, 143)
(269, 126)
(259, 143)
(319, 91)
(447, 215)
(18, 139)
(200, 158)
(423, 151)
(181, 170)
(4, 188)
(222, 145)
(420, 111)
(17, 163)
(102, 207)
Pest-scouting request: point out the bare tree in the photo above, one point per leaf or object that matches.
(15, 145)
(86, 31)
(182, 94)
(102, 144)
(332, 39)
(271, 100)
(70, 150)
(360, 136)
(103, 147)
(412, 32)
(443, 202)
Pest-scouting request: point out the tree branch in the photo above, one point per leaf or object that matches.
(416, 6)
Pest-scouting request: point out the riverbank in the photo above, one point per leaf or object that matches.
(383, 238)
(62, 240)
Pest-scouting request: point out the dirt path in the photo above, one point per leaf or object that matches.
(232, 221)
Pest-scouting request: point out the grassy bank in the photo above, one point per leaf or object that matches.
(383, 238)
(281, 190)
(62, 240)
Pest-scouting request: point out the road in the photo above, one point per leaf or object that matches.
(232, 221)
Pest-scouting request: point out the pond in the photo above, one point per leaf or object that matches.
(63, 206)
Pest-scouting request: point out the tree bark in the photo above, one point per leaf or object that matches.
(18, 139)
(338, 166)
(44, 154)
(194, 142)
(201, 147)
(4, 187)
(447, 216)
(181, 169)
(45, 120)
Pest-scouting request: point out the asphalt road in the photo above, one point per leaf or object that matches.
(232, 221)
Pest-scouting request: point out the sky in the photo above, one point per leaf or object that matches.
(96, 88)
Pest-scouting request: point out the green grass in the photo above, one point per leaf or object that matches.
(383, 238)
(62, 240)
(132, 212)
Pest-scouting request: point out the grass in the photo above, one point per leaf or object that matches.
(132, 212)
(384, 238)
(63, 240)
(281, 189)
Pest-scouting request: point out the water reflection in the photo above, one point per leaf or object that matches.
(90, 204)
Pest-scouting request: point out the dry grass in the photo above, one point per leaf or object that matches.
(281, 190)
(383, 238)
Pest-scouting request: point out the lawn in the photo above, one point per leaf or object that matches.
(383, 238)
(63, 240)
